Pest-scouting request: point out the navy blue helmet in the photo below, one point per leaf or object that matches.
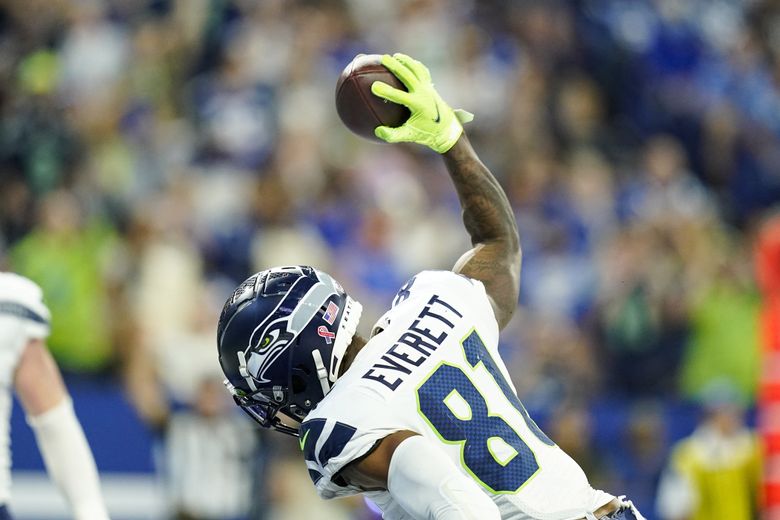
(281, 339)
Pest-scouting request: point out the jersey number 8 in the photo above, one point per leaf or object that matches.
(478, 431)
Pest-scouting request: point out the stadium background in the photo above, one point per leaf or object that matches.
(154, 153)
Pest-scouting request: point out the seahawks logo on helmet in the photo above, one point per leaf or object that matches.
(262, 356)
(299, 305)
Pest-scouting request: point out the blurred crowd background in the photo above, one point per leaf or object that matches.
(155, 153)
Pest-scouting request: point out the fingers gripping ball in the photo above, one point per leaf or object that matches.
(361, 110)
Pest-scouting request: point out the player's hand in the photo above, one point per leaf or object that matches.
(432, 123)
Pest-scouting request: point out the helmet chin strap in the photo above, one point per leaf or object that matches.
(322, 372)
(347, 328)
(243, 370)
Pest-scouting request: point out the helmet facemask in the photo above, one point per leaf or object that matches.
(263, 408)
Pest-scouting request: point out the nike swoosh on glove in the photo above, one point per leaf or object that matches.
(432, 122)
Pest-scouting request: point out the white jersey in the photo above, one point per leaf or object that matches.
(23, 317)
(435, 369)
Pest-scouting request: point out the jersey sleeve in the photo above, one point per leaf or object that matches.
(470, 293)
(460, 287)
(343, 432)
(22, 299)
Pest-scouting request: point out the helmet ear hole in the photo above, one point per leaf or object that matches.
(299, 379)
(298, 384)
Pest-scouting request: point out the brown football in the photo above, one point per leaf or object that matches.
(359, 109)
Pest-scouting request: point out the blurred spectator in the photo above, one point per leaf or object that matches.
(665, 191)
(642, 454)
(177, 388)
(724, 340)
(643, 319)
(71, 258)
(208, 478)
(716, 472)
(556, 366)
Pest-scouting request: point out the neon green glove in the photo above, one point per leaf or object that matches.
(432, 123)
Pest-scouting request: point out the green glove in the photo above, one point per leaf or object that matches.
(432, 123)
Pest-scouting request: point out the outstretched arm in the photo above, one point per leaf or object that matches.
(58, 433)
(495, 258)
(490, 222)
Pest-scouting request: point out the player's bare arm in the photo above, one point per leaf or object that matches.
(24, 325)
(37, 380)
(487, 214)
(490, 222)
(58, 433)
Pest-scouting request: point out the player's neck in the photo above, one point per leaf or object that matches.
(356, 346)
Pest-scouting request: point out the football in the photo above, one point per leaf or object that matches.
(359, 109)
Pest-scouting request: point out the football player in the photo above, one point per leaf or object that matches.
(27, 367)
(422, 417)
